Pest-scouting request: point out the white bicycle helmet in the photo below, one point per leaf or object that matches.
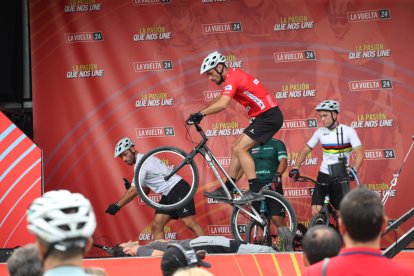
(211, 61)
(61, 217)
(123, 145)
(328, 105)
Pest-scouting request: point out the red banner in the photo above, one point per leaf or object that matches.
(102, 70)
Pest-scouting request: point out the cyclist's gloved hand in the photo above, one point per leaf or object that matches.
(113, 209)
(195, 118)
(352, 172)
(127, 184)
(276, 181)
(294, 174)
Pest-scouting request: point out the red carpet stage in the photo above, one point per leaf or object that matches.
(246, 264)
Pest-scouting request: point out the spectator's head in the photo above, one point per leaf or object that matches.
(176, 257)
(319, 242)
(361, 217)
(25, 261)
(63, 223)
(125, 148)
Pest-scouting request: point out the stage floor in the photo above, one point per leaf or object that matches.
(222, 264)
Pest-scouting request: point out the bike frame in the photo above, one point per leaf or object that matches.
(328, 210)
(212, 162)
(326, 207)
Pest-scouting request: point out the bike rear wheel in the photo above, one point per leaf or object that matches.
(170, 157)
(240, 220)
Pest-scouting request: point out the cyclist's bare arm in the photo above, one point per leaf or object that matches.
(282, 166)
(157, 253)
(219, 104)
(302, 156)
(359, 157)
(129, 195)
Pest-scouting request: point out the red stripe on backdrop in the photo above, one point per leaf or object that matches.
(4, 124)
(17, 151)
(15, 225)
(19, 161)
(31, 180)
(13, 134)
(21, 183)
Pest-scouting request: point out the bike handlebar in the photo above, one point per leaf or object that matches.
(201, 132)
(303, 178)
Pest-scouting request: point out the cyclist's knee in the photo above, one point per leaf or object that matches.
(189, 222)
(233, 148)
(240, 150)
(316, 209)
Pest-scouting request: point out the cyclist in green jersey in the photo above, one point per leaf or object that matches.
(270, 161)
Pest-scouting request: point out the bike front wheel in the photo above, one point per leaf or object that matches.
(319, 219)
(241, 219)
(153, 164)
(260, 234)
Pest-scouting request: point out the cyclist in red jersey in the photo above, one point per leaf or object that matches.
(259, 104)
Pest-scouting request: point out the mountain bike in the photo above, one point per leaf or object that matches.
(243, 217)
(327, 214)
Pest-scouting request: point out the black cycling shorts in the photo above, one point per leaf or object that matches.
(274, 208)
(262, 128)
(179, 191)
(334, 189)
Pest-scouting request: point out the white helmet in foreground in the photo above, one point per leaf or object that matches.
(328, 105)
(211, 61)
(122, 145)
(61, 218)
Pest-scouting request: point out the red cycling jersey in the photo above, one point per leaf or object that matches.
(248, 91)
(360, 261)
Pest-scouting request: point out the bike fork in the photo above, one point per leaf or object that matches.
(325, 209)
(255, 215)
(326, 200)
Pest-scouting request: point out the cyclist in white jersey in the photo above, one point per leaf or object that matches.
(154, 177)
(172, 190)
(336, 140)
